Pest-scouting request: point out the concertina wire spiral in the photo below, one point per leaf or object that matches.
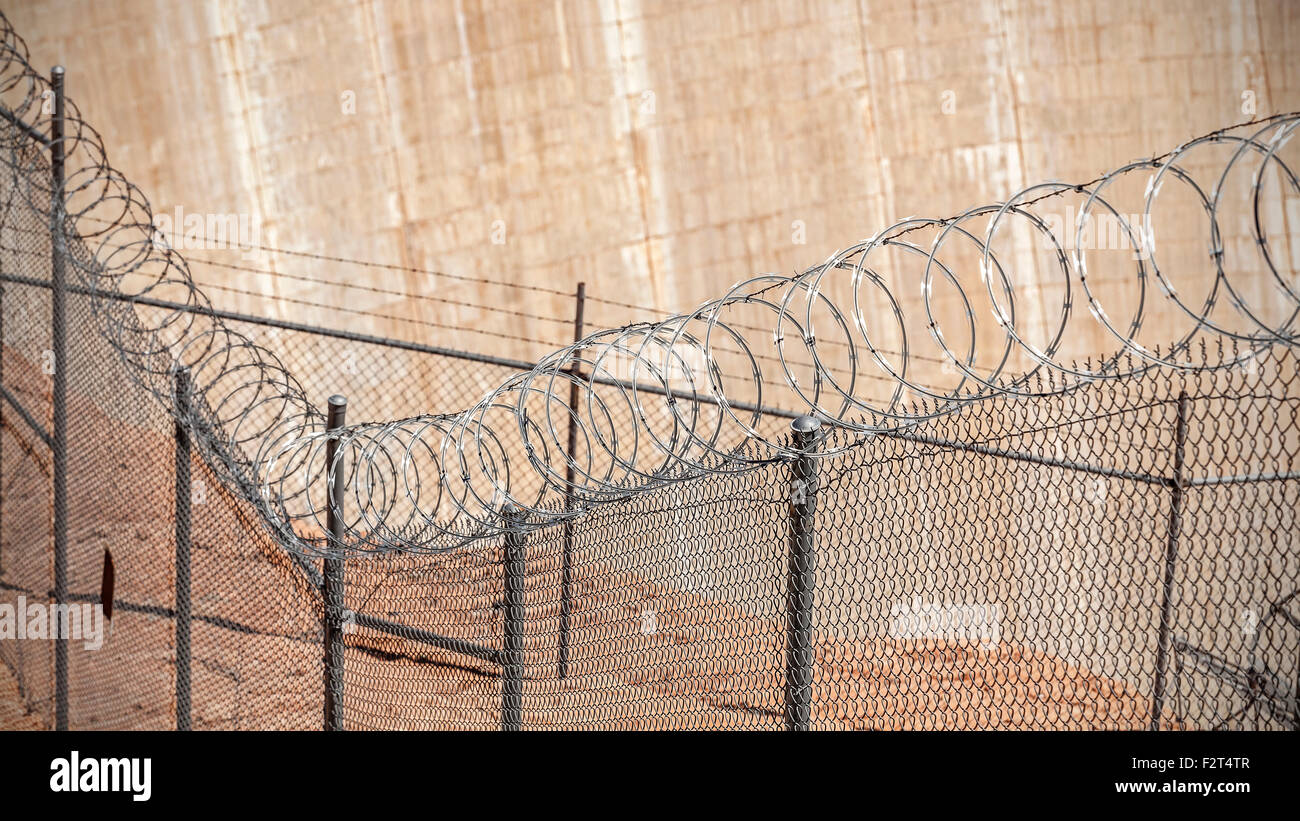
(661, 402)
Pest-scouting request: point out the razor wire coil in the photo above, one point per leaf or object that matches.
(695, 393)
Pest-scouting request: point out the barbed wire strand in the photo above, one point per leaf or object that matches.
(672, 399)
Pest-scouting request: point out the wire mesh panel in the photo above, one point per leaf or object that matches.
(254, 653)
(25, 464)
(1017, 565)
(638, 532)
(1120, 556)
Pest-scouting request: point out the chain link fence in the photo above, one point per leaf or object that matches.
(1121, 556)
(253, 621)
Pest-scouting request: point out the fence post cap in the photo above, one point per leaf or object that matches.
(806, 424)
(338, 408)
(57, 70)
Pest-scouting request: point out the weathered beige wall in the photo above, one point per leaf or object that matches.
(658, 151)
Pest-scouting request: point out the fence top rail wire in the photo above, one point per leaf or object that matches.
(697, 393)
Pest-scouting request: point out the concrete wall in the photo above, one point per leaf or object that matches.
(658, 151)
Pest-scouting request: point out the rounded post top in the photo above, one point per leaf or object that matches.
(806, 424)
(806, 433)
(57, 71)
(337, 411)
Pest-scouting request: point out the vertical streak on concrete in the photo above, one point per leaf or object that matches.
(1263, 61)
(562, 30)
(1284, 232)
(238, 102)
(490, 201)
(381, 60)
(885, 197)
(875, 91)
(633, 76)
(1028, 262)
(471, 93)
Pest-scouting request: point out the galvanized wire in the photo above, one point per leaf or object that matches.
(699, 393)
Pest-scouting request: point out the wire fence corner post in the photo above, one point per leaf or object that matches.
(566, 569)
(1163, 641)
(183, 545)
(801, 577)
(332, 582)
(514, 563)
(59, 398)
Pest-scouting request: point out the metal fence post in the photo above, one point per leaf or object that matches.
(332, 594)
(183, 543)
(566, 569)
(1171, 560)
(59, 344)
(512, 657)
(801, 577)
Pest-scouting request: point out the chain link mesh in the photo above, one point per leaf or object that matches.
(1005, 566)
(1121, 555)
